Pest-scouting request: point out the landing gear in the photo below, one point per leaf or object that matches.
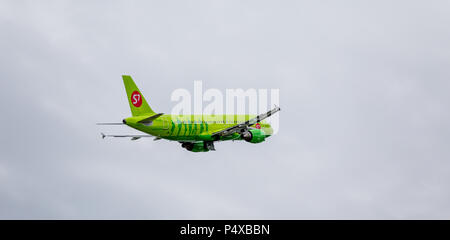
(209, 146)
(189, 146)
(199, 146)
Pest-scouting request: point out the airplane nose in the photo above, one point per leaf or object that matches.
(268, 130)
(124, 121)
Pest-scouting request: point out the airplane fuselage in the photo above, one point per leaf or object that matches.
(194, 127)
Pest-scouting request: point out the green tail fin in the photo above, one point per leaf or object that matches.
(136, 100)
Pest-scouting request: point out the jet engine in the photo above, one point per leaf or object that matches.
(254, 135)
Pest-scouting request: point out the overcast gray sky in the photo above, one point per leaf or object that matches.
(364, 91)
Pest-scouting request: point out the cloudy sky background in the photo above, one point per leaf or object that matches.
(364, 91)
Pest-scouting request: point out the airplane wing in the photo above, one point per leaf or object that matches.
(133, 137)
(246, 124)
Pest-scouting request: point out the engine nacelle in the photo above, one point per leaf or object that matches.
(254, 136)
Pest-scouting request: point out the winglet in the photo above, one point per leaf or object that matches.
(279, 109)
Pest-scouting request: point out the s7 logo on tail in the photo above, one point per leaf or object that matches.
(136, 99)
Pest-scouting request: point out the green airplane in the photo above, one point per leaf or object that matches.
(196, 133)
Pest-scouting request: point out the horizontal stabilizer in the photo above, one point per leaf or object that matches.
(150, 119)
(133, 137)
